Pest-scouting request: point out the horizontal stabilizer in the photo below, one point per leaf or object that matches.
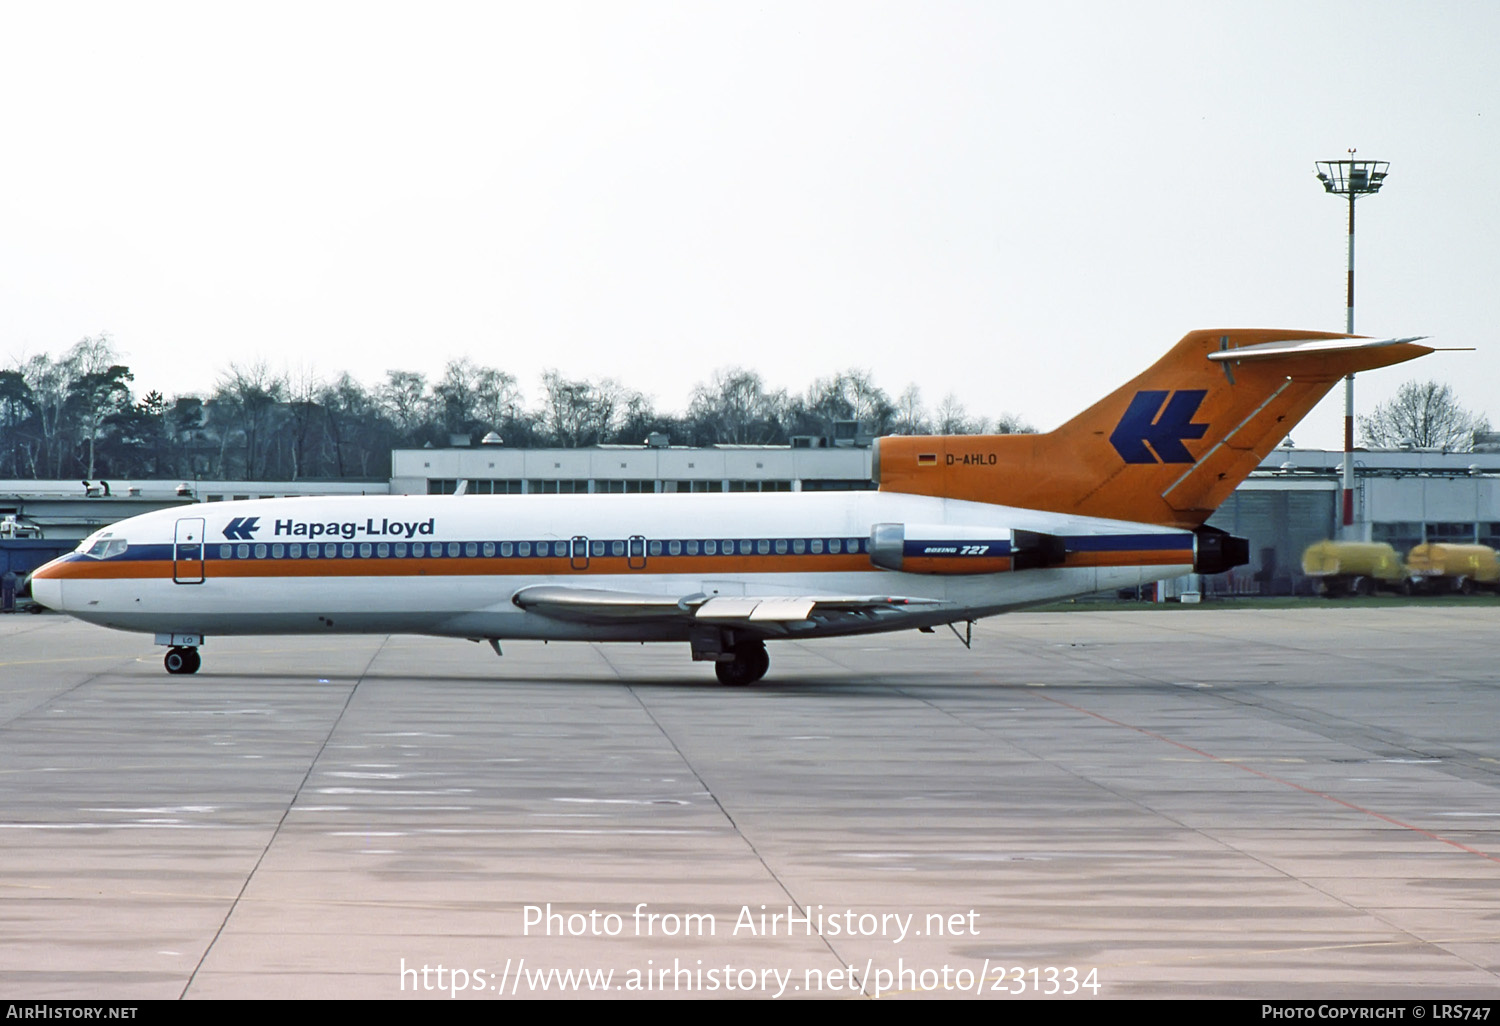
(1306, 347)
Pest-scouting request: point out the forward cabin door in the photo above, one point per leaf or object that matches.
(187, 551)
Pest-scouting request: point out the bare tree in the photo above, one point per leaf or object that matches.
(403, 397)
(953, 420)
(851, 395)
(71, 397)
(910, 418)
(496, 398)
(735, 408)
(1423, 415)
(577, 413)
(247, 399)
(303, 389)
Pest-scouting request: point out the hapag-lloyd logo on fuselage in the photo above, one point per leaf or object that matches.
(371, 528)
(244, 528)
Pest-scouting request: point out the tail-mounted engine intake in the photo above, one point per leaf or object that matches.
(1216, 551)
(948, 549)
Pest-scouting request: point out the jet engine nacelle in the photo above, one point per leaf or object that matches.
(1217, 551)
(950, 549)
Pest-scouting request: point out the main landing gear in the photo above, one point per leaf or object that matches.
(182, 659)
(749, 664)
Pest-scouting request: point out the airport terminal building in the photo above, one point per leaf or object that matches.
(1290, 502)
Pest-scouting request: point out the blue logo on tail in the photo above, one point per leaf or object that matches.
(1144, 437)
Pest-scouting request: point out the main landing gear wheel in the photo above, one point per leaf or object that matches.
(749, 665)
(182, 660)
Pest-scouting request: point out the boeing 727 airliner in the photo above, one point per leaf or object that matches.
(962, 527)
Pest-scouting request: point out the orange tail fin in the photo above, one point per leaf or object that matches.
(1166, 448)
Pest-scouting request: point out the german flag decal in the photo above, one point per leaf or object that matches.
(926, 459)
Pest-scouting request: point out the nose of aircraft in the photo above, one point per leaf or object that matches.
(46, 587)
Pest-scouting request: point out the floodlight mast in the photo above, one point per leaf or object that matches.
(1352, 178)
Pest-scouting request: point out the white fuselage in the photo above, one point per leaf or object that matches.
(451, 565)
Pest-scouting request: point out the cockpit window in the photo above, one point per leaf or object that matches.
(104, 547)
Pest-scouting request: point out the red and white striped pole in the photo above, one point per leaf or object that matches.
(1349, 383)
(1353, 178)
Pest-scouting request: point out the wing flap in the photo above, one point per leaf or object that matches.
(727, 607)
(783, 609)
(601, 605)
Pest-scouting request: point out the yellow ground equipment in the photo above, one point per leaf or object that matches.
(1441, 566)
(1353, 568)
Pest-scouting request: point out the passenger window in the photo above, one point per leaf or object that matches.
(524, 549)
(225, 552)
(453, 550)
(780, 546)
(260, 552)
(488, 549)
(692, 547)
(674, 548)
(710, 548)
(419, 549)
(816, 546)
(745, 547)
(835, 546)
(654, 548)
(295, 551)
(277, 551)
(617, 548)
(471, 549)
(798, 546)
(401, 550)
(382, 550)
(348, 550)
(762, 547)
(597, 548)
(242, 552)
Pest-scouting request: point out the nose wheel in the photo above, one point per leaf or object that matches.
(182, 659)
(749, 664)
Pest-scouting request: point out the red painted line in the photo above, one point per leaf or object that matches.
(1275, 779)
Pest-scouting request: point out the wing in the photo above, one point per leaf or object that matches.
(769, 613)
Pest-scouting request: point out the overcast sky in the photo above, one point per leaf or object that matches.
(1019, 203)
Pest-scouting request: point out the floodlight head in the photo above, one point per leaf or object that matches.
(1352, 177)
